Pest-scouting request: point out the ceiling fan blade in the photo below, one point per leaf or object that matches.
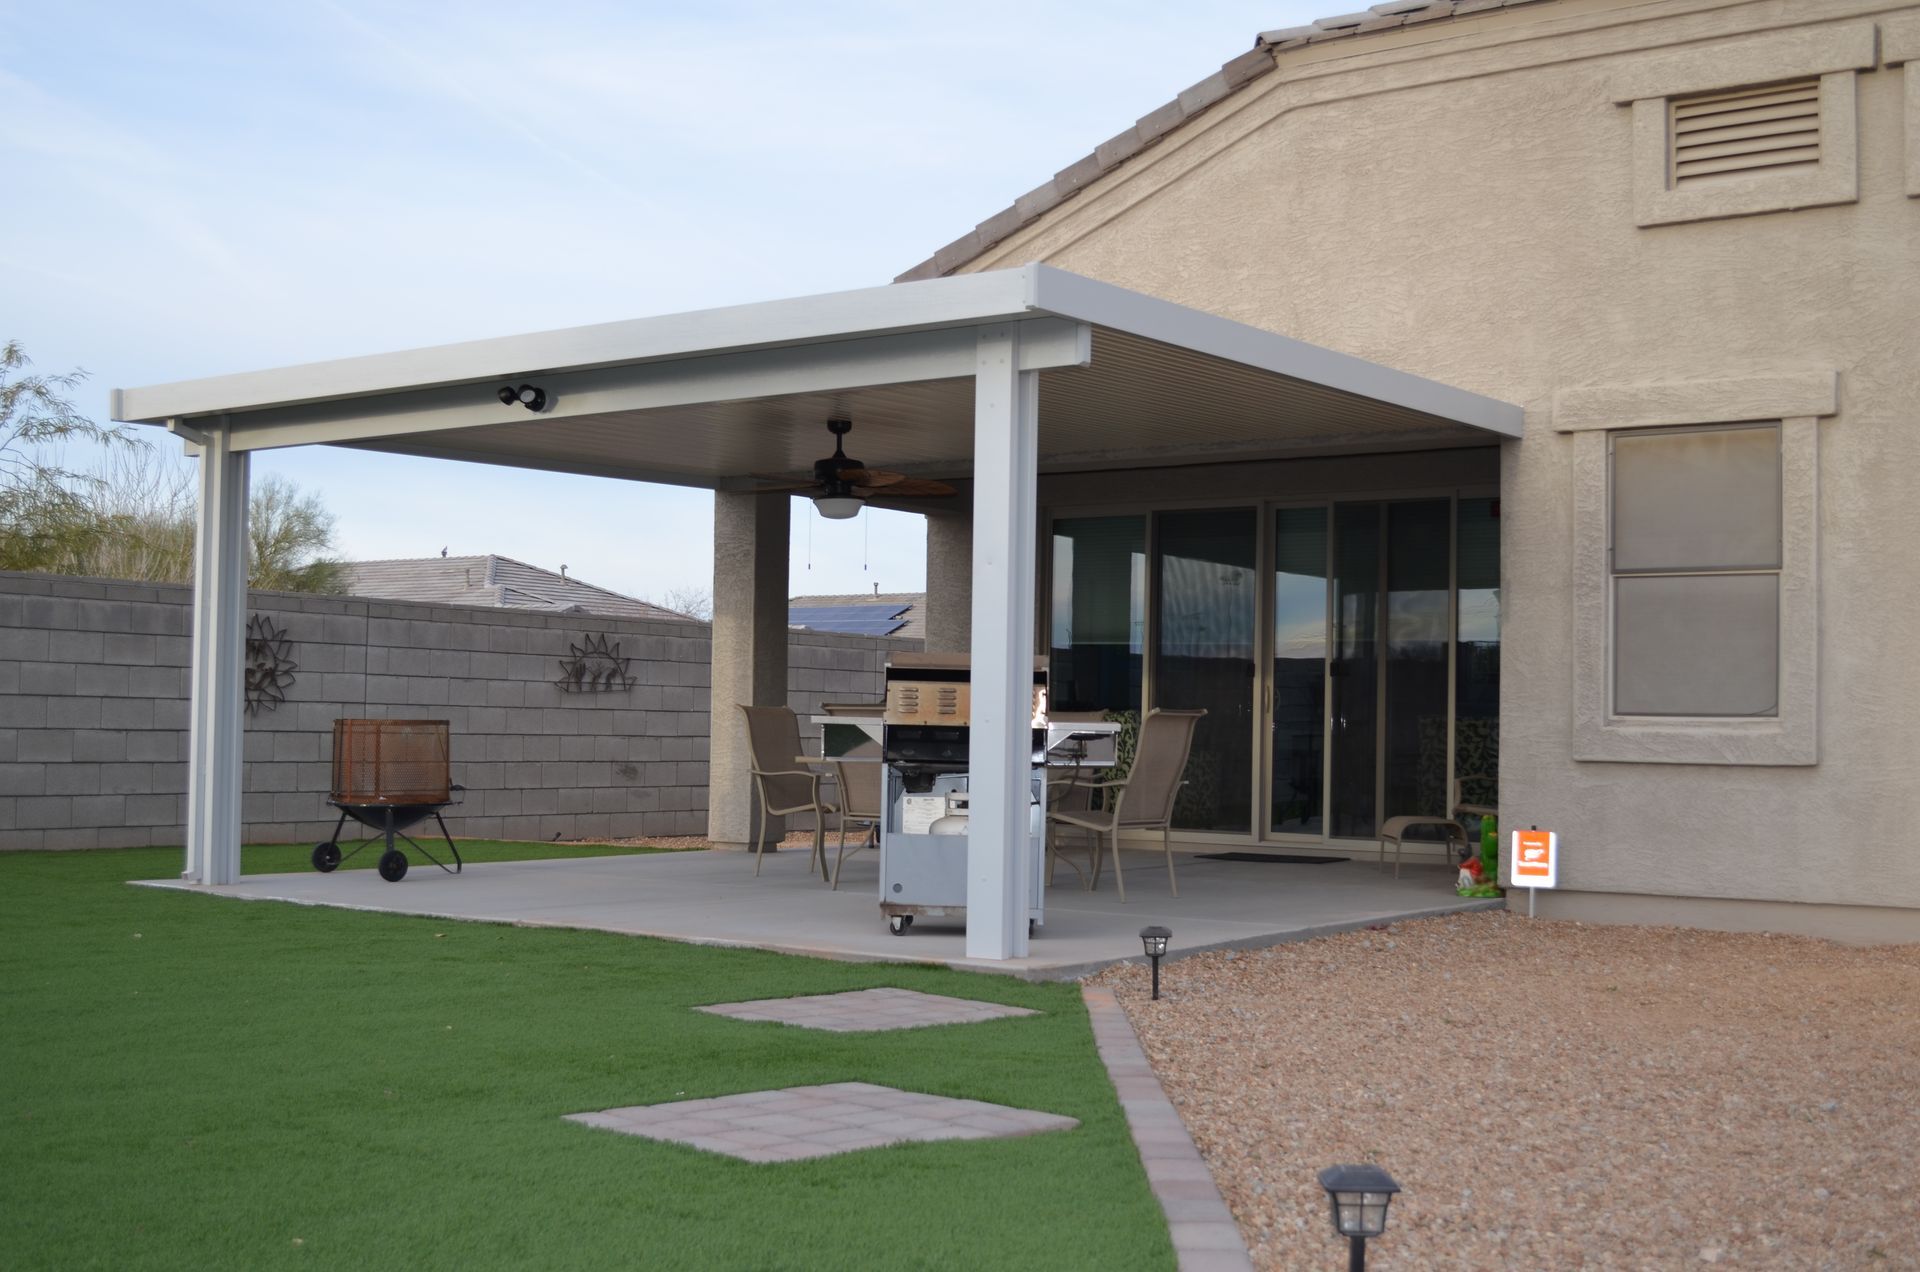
(870, 477)
(910, 488)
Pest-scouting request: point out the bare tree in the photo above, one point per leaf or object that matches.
(689, 598)
(43, 512)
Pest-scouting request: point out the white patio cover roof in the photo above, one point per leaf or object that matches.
(714, 397)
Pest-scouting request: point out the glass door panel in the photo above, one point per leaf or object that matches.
(1207, 602)
(1415, 751)
(1476, 694)
(1354, 670)
(1098, 615)
(1299, 668)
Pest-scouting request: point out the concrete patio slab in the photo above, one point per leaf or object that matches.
(713, 898)
(820, 1121)
(867, 1010)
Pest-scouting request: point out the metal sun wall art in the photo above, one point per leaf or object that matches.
(270, 666)
(594, 666)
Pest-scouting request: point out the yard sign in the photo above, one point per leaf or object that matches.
(1536, 858)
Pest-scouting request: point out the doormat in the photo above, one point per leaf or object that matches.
(1285, 858)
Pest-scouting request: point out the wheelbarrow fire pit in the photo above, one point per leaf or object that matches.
(389, 775)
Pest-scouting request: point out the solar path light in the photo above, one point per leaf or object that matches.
(1358, 1197)
(1155, 939)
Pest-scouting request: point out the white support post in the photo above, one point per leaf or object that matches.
(219, 681)
(1005, 470)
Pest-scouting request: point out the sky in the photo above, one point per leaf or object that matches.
(201, 188)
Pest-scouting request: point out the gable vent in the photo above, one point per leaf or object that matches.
(1746, 130)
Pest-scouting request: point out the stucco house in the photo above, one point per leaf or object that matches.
(1462, 401)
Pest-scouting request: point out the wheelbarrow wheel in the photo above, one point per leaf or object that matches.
(393, 866)
(326, 857)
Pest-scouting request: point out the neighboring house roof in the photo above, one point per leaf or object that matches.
(495, 581)
(1155, 124)
(898, 614)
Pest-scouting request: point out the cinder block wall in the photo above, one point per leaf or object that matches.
(93, 713)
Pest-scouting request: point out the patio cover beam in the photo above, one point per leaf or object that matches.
(1006, 454)
(214, 730)
(907, 358)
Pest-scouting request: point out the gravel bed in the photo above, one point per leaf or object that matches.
(1554, 1094)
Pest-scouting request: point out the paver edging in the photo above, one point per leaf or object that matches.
(1205, 1236)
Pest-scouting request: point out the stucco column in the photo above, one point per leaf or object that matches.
(749, 652)
(949, 583)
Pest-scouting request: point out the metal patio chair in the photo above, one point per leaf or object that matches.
(773, 744)
(860, 778)
(1142, 800)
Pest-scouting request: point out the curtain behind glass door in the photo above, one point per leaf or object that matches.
(1355, 669)
(1204, 656)
(1417, 640)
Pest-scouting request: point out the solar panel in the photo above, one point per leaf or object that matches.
(850, 620)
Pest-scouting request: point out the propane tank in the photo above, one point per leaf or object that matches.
(954, 821)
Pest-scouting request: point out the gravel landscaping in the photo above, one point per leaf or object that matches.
(1555, 1094)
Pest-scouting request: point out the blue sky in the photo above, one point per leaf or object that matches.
(197, 188)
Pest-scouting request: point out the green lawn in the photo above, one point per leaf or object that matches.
(193, 1082)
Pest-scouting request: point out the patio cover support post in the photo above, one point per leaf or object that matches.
(949, 583)
(749, 653)
(1005, 472)
(216, 723)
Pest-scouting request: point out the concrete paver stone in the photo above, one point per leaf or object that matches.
(863, 1010)
(819, 1121)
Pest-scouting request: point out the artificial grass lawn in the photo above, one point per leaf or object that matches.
(186, 1081)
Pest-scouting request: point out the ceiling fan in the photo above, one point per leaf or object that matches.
(841, 485)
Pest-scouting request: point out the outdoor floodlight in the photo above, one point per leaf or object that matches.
(837, 507)
(1358, 1197)
(526, 395)
(1154, 941)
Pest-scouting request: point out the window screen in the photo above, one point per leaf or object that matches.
(1695, 533)
(1706, 499)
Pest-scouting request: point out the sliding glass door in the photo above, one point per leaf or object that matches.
(1347, 653)
(1208, 598)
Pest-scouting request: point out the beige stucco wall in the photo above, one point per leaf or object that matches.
(1458, 201)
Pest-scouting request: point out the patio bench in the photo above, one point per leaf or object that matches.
(1397, 827)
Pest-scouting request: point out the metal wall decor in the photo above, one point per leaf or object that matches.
(270, 666)
(594, 666)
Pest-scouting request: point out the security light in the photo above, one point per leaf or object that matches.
(534, 399)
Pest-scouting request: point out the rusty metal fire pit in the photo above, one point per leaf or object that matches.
(389, 775)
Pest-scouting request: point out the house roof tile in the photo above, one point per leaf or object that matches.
(494, 581)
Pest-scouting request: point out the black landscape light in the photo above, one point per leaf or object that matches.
(1154, 941)
(1358, 1197)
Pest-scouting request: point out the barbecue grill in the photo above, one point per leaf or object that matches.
(389, 775)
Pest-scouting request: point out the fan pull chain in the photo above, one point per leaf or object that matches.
(866, 538)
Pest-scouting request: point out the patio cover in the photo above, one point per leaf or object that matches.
(993, 377)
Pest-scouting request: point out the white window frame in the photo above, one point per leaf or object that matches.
(1833, 54)
(1790, 737)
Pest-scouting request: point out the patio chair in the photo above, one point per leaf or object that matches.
(773, 745)
(859, 775)
(1142, 800)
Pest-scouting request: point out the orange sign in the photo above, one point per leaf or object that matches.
(1536, 858)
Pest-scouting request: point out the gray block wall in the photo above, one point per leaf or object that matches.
(93, 713)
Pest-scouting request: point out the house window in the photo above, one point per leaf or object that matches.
(1696, 568)
(1695, 560)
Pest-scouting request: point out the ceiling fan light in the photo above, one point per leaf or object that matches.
(837, 507)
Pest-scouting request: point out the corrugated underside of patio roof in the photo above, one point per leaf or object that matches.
(1139, 402)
